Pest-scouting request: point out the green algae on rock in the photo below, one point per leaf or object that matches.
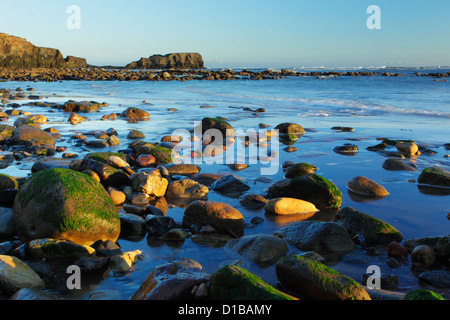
(423, 294)
(374, 230)
(314, 280)
(435, 176)
(67, 205)
(235, 283)
(308, 187)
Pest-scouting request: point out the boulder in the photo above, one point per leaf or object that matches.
(30, 135)
(288, 206)
(435, 176)
(308, 187)
(187, 189)
(261, 248)
(322, 237)
(299, 169)
(67, 205)
(316, 281)
(53, 249)
(235, 283)
(16, 275)
(219, 215)
(135, 113)
(374, 230)
(366, 187)
(172, 281)
(230, 185)
(214, 123)
(407, 147)
(149, 184)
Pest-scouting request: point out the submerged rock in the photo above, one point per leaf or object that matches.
(314, 280)
(67, 205)
(399, 165)
(259, 247)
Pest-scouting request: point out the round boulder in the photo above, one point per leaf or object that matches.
(67, 205)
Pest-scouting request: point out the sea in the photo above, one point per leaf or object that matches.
(407, 107)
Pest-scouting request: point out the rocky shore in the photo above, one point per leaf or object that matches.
(74, 211)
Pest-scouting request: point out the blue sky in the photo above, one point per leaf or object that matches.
(240, 33)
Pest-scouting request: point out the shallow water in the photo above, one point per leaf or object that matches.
(407, 107)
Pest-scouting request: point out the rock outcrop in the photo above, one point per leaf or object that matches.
(171, 60)
(17, 52)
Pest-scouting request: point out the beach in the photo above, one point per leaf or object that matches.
(354, 123)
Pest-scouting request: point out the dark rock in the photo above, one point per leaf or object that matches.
(172, 60)
(435, 176)
(399, 165)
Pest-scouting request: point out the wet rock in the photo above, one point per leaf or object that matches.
(187, 189)
(113, 140)
(230, 185)
(435, 176)
(346, 149)
(260, 248)
(53, 249)
(135, 113)
(343, 129)
(67, 205)
(440, 245)
(298, 169)
(314, 280)
(75, 119)
(117, 197)
(16, 275)
(163, 155)
(399, 165)
(7, 228)
(308, 187)
(436, 278)
(159, 225)
(149, 184)
(208, 179)
(290, 128)
(288, 206)
(252, 201)
(175, 234)
(397, 250)
(422, 294)
(173, 280)
(407, 147)
(235, 283)
(321, 237)
(366, 187)
(220, 215)
(214, 123)
(423, 256)
(183, 169)
(30, 294)
(135, 134)
(124, 263)
(106, 248)
(132, 224)
(80, 106)
(29, 135)
(8, 182)
(374, 230)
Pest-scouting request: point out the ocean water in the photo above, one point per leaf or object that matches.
(407, 107)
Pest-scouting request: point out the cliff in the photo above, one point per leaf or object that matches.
(172, 60)
(17, 52)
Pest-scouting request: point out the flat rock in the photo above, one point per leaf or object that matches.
(366, 187)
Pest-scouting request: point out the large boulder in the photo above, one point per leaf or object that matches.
(235, 283)
(220, 216)
(322, 237)
(308, 187)
(67, 205)
(30, 135)
(316, 281)
(374, 230)
(435, 176)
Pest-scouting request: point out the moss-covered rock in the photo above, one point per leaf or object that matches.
(374, 230)
(235, 283)
(51, 249)
(67, 205)
(314, 280)
(423, 294)
(308, 187)
(162, 155)
(299, 169)
(6, 130)
(435, 176)
(214, 123)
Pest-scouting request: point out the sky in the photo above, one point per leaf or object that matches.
(239, 33)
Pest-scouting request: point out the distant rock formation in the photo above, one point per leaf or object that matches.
(17, 52)
(172, 60)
